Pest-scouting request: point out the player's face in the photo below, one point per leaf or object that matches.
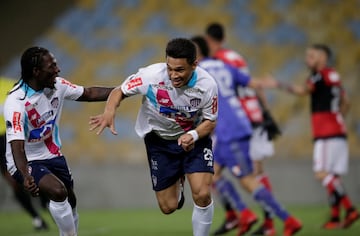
(46, 75)
(179, 70)
(312, 58)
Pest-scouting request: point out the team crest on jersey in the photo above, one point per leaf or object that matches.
(55, 102)
(195, 102)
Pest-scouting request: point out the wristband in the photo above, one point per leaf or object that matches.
(194, 134)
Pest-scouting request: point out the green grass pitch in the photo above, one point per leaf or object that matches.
(150, 222)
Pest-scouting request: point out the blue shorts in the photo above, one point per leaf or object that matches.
(168, 161)
(234, 155)
(56, 166)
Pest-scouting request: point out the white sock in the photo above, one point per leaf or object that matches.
(76, 219)
(202, 219)
(62, 214)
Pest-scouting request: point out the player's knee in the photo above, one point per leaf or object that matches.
(168, 207)
(202, 198)
(58, 193)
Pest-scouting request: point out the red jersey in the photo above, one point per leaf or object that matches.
(326, 92)
(247, 96)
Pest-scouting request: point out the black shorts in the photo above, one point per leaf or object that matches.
(56, 166)
(168, 161)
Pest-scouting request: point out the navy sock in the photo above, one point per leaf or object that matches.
(227, 190)
(266, 199)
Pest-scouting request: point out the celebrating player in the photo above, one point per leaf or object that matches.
(233, 132)
(329, 105)
(20, 194)
(32, 112)
(177, 116)
(264, 128)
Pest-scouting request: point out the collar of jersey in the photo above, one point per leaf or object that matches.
(193, 80)
(30, 92)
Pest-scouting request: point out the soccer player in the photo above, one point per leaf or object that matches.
(176, 119)
(264, 128)
(32, 112)
(233, 132)
(329, 104)
(21, 196)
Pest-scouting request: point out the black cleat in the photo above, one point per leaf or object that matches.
(227, 226)
(182, 196)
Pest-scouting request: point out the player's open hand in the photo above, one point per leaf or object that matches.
(30, 185)
(102, 121)
(186, 141)
(269, 81)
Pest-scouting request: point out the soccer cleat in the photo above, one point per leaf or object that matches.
(350, 218)
(182, 196)
(265, 230)
(39, 224)
(227, 226)
(247, 220)
(332, 224)
(292, 226)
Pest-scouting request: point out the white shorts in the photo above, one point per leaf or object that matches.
(260, 146)
(331, 155)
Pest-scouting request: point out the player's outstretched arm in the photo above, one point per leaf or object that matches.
(94, 94)
(107, 119)
(18, 151)
(300, 90)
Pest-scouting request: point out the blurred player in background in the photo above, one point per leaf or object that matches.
(176, 119)
(32, 112)
(20, 194)
(329, 105)
(264, 127)
(233, 132)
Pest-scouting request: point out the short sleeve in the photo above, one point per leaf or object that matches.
(71, 91)
(136, 84)
(15, 121)
(210, 110)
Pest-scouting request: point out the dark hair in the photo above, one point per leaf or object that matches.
(324, 48)
(30, 59)
(202, 44)
(181, 48)
(216, 31)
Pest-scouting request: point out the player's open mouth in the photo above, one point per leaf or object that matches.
(177, 82)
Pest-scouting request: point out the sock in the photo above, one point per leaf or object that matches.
(266, 199)
(227, 190)
(264, 179)
(25, 201)
(202, 219)
(334, 186)
(76, 219)
(63, 216)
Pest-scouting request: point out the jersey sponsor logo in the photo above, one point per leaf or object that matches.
(42, 133)
(55, 102)
(176, 112)
(68, 83)
(162, 86)
(43, 118)
(195, 102)
(214, 105)
(16, 122)
(133, 83)
(194, 90)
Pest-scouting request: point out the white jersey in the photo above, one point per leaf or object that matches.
(33, 116)
(170, 111)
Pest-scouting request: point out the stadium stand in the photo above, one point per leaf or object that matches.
(102, 42)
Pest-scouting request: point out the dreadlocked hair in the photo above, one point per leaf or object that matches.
(30, 59)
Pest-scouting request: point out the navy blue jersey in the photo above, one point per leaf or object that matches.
(232, 121)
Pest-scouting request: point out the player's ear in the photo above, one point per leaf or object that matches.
(194, 65)
(36, 72)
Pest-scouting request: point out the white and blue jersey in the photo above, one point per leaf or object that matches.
(170, 111)
(33, 116)
(232, 123)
